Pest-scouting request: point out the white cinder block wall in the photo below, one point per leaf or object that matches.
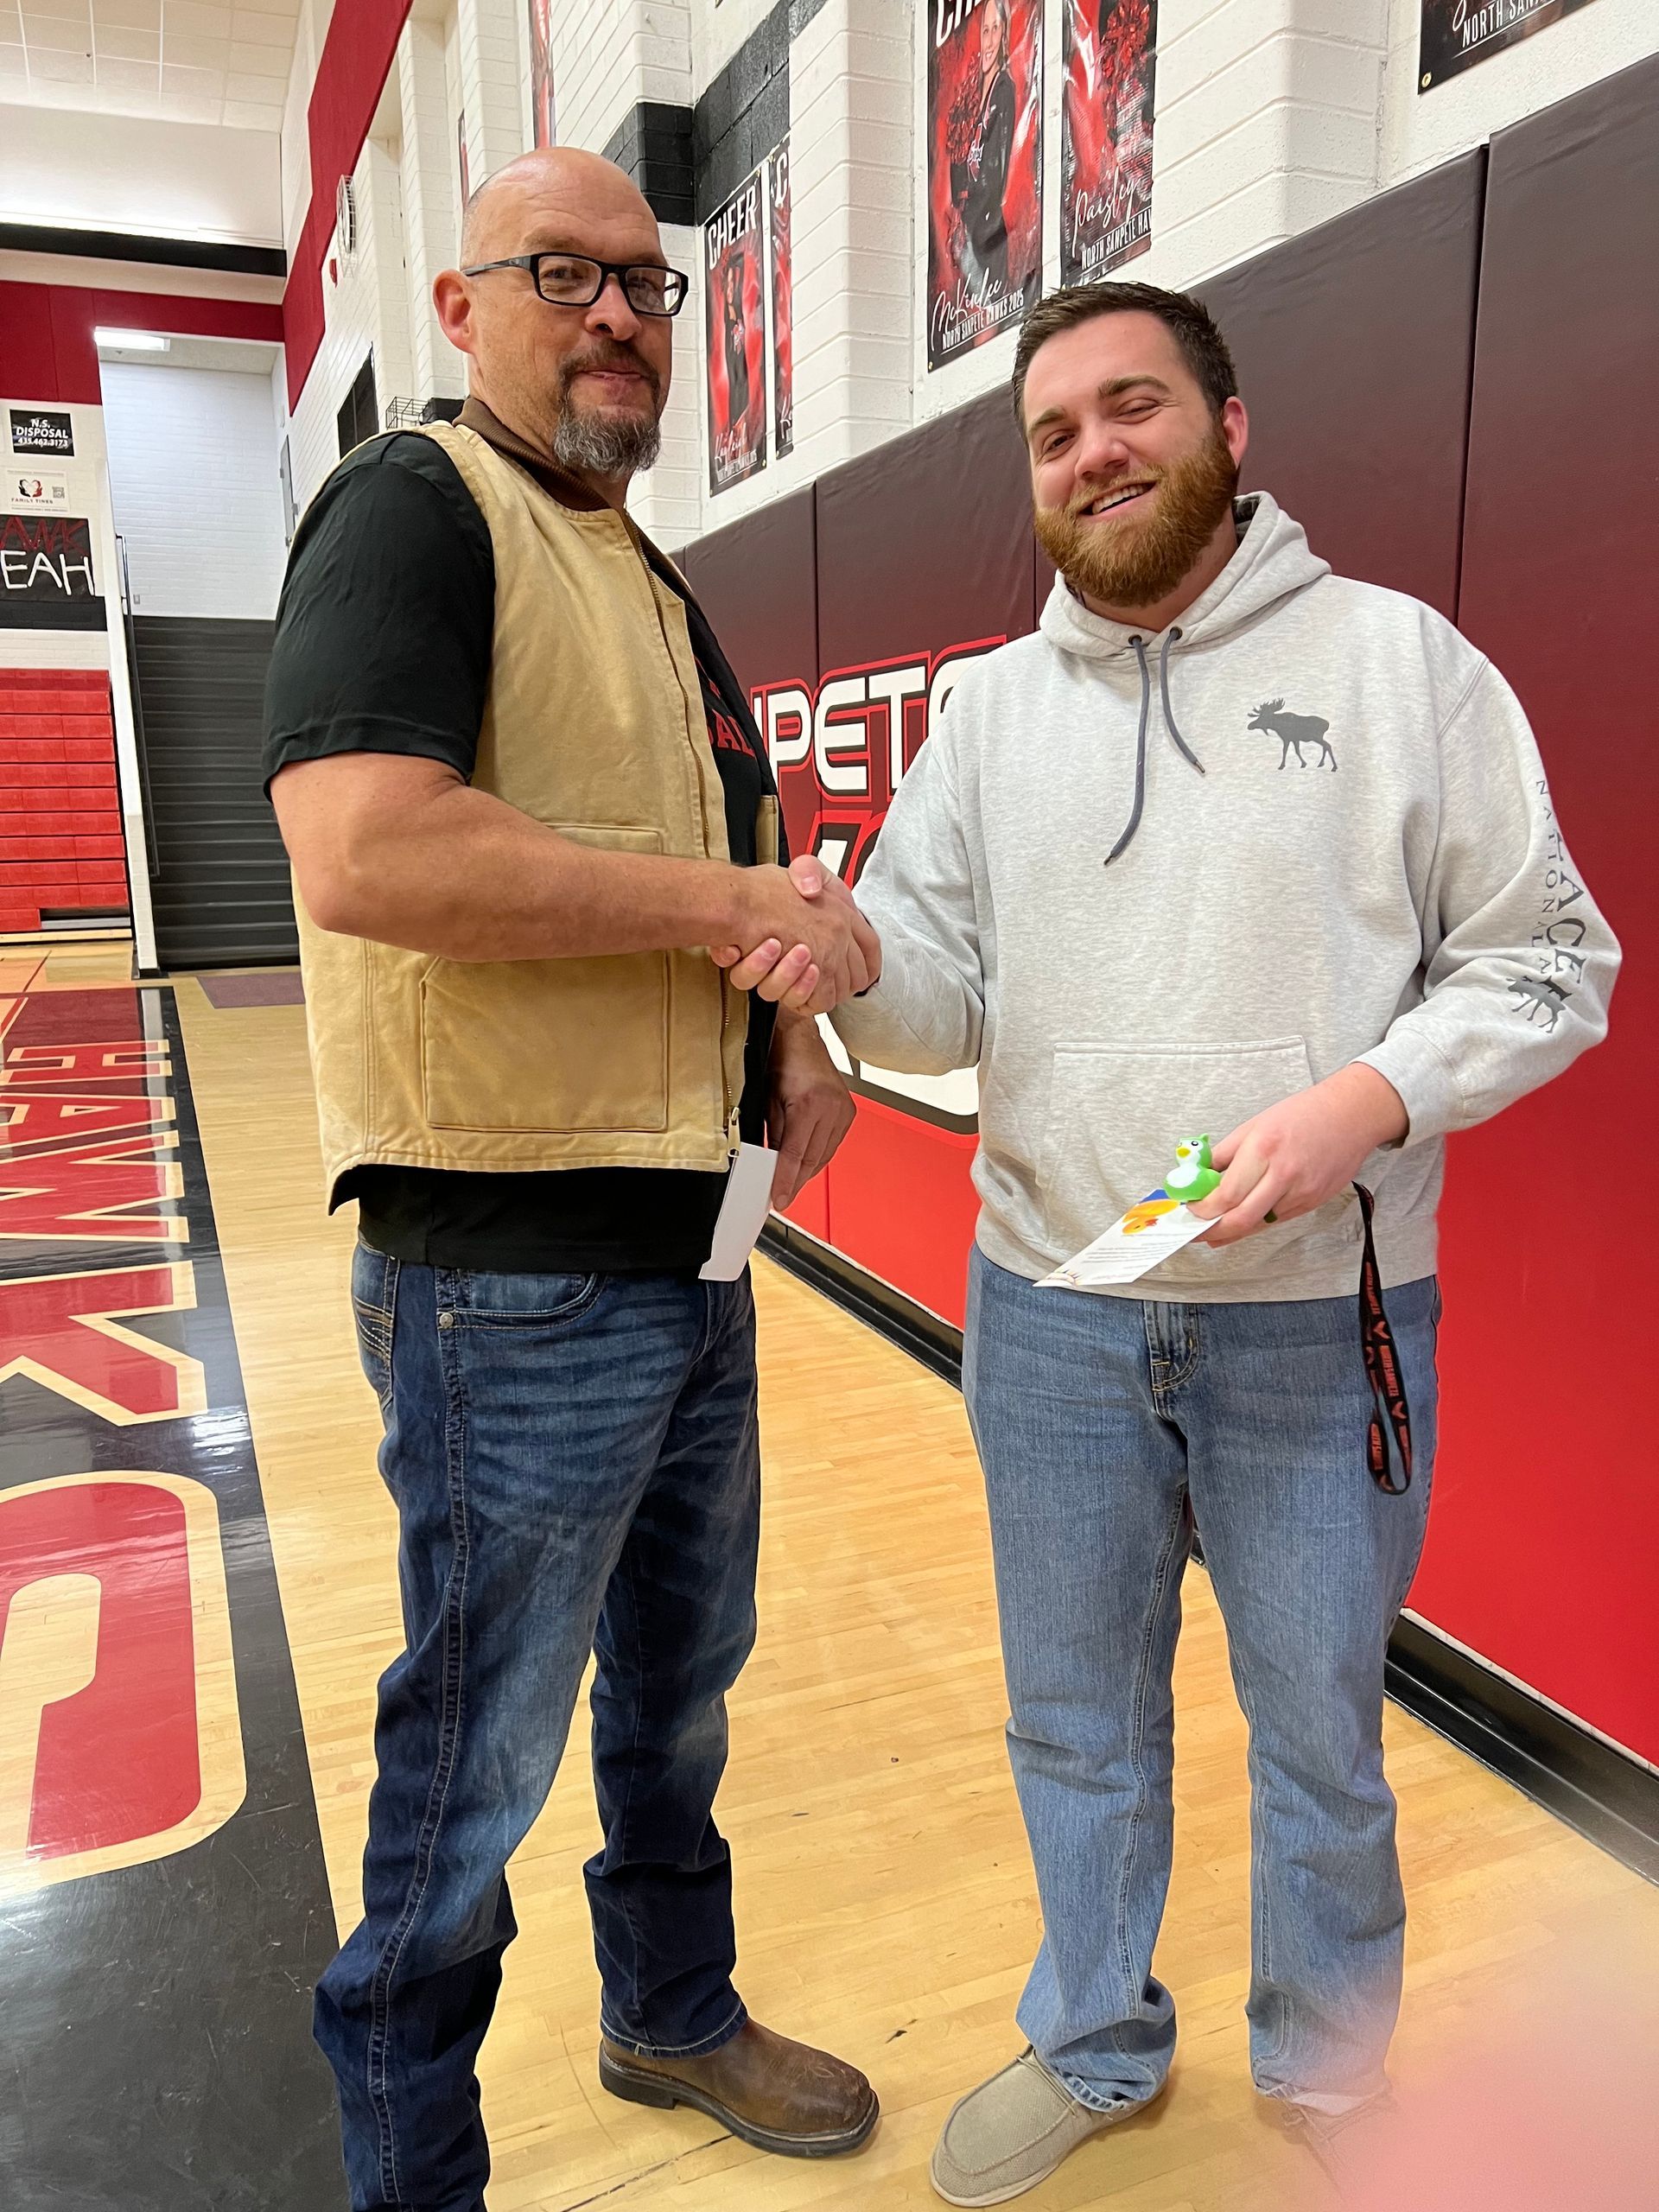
(219, 550)
(1272, 116)
(429, 167)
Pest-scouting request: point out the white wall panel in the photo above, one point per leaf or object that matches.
(192, 478)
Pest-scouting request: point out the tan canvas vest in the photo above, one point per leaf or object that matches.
(593, 724)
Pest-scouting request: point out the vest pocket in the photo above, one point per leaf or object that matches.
(550, 1047)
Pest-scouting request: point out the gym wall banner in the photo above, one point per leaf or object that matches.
(542, 120)
(735, 333)
(783, 327)
(45, 573)
(984, 169)
(1106, 116)
(1456, 33)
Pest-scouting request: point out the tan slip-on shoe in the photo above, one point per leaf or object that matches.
(1357, 2148)
(1012, 2132)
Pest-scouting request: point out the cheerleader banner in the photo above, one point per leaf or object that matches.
(783, 339)
(984, 169)
(1110, 47)
(734, 324)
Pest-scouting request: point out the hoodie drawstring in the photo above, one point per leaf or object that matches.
(1181, 745)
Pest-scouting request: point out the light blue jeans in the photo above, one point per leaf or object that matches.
(1107, 1428)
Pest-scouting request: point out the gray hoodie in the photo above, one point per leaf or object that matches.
(1343, 849)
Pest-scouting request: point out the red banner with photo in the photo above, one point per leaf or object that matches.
(734, 325)
(984, 169)
(782, 337)
(1106, 116)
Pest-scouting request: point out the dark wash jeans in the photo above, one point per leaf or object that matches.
(575, 1464)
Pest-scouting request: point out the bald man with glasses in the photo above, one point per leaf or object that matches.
(523, 793)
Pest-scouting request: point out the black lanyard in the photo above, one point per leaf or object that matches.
(1389, 1446)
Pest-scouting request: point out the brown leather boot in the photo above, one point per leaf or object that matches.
(779, 2095)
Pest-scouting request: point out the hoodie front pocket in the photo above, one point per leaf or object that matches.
(1115, 1114)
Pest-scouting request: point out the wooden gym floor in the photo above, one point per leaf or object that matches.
(885, 1901)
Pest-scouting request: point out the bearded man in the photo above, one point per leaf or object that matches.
(1231, 845)
(523, 792)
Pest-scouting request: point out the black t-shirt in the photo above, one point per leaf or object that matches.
(383, 645)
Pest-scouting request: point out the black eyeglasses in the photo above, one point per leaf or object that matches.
(574, 280)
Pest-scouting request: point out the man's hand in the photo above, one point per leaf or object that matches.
(822, 951)
(809, 1109)
(1290, 1159)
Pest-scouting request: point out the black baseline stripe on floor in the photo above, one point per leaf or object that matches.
(164, 1909)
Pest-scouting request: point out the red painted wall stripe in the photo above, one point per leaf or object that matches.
(356, 60)
(47, 348)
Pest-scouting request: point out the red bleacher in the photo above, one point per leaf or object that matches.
(60, 842)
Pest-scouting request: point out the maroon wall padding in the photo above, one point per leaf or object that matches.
(757, 581)
(1547, 1525)
(926, 541)
(1352, 344)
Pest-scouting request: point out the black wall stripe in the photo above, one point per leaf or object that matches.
(53, 614)
(688, 162)
(653, 145)
(122, 246)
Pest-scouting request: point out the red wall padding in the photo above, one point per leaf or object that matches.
(1546, 1528)
(61, 837)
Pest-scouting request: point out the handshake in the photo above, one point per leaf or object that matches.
(803, 944)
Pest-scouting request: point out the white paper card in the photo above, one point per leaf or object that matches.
(743, 1213)
(1131, 1248)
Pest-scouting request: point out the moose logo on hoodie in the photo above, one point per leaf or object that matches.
(1294, 732)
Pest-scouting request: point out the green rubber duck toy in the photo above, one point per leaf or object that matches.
(1193, 1177)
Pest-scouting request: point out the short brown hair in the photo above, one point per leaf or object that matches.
(1188, 321)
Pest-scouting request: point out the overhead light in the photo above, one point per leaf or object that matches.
(133, 341)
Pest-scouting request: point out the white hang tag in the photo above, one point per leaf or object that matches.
(1155, 1229)
(743, 1213)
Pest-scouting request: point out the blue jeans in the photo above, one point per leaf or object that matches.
(1107, 1426)
(575, 1466)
